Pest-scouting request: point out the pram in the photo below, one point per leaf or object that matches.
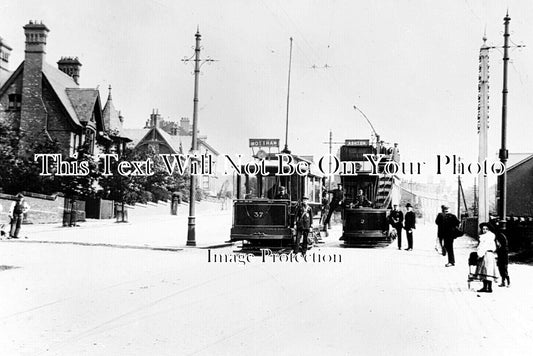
(472, 266)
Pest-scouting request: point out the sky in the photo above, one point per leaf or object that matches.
(410, 66)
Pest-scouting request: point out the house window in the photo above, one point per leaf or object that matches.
(205, 183)
(89, 140)
(74, 143)
(14, 101)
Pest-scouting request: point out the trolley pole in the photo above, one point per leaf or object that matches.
(286, 148)
(504, 153)
(329, 171)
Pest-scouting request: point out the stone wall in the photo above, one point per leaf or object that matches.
(44, 209)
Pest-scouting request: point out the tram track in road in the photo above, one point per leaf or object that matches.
(280, 311)
(133, 314)
(150, 275)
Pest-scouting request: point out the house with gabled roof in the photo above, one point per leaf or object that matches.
(41, 102)
(173, 139)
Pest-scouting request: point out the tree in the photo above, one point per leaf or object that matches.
(22, 174)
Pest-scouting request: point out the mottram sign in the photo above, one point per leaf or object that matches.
(357, 142)
(264, 142)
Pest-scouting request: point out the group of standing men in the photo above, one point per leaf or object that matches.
(399, 222)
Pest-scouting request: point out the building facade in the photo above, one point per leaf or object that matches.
(520, 188)
(167, 137)
(41, 102)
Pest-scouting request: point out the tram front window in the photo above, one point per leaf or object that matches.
(269, 187)
(251, 187)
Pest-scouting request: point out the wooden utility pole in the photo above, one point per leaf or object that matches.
(482, 201)
(331, 143)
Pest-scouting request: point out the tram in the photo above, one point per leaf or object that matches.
(262, 219)
(366, 225)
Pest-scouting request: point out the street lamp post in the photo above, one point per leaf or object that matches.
(191, 232)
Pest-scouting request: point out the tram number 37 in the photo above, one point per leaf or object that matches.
(258, 214)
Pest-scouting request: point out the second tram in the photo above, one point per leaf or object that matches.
(365, 223)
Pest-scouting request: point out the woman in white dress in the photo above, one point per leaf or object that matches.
(486, 266)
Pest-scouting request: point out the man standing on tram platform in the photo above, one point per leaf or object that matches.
(361, 200)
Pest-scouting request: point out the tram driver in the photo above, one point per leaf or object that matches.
(282, 193)
(361, 200)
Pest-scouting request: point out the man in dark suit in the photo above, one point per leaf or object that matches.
(396, 221)
(336, 201)
(438, 221)
(449, 227)
(410, 225)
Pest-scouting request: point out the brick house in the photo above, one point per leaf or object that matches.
(167, 137)
(41, 102)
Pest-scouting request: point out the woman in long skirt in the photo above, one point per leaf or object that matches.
(486, 266)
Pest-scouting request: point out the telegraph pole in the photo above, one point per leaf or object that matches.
(191, 232)
(481, 200)
(331, 143)
(504, 153)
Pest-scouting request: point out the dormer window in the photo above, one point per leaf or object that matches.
(15, 101)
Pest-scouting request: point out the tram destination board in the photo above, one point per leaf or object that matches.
(357, 142)
(264, 142)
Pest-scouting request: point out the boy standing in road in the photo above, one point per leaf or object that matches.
(16, 214)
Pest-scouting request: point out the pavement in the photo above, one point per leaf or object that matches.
(152, 227)
(149, 227)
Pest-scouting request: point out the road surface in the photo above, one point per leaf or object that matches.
(61, 299)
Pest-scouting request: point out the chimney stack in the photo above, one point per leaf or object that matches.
(70, 66)
(33, 111)
(185, 125)
(154, 118)
(36, 34)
